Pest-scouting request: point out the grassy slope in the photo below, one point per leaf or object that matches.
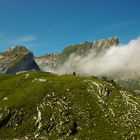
(130, 84)
(44, 105)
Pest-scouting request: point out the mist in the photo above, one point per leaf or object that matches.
(116, 59)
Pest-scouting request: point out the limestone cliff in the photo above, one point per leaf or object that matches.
(16, 59)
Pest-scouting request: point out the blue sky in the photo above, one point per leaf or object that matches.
(50, 25)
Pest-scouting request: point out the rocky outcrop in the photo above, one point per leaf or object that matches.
(48, 61)
(16, 59)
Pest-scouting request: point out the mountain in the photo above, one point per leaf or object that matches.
(38, 105)
(52, 61)
(56, 62)
(43, 105)
(84, 48)
(16, 59)
(48, 61)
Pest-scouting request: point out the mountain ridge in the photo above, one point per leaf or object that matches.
(19, 58)
(16, 59)
(51, 61)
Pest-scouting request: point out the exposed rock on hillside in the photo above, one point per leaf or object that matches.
(46, 106)
(16, 59)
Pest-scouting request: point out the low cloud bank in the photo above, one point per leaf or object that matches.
(122, 58)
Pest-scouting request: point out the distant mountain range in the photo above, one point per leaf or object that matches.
(18, 58)
(53, 60)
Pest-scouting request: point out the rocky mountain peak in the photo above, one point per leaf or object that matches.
(15, 59)
(84, 48)
(105, 43)
(18, 49)
(108, 41)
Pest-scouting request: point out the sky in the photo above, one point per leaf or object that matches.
(45, 26)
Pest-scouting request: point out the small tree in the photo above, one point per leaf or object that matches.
(112, 81)
(104, 78)
(74, 73)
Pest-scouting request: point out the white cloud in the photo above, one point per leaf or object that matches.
(25, 39)
(122, 58)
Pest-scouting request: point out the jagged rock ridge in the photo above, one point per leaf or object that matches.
(16, 59)
(84, 48)
(51, 61)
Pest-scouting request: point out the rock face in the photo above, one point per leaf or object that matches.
(48, 61)
(16, 59)
(51, 61)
